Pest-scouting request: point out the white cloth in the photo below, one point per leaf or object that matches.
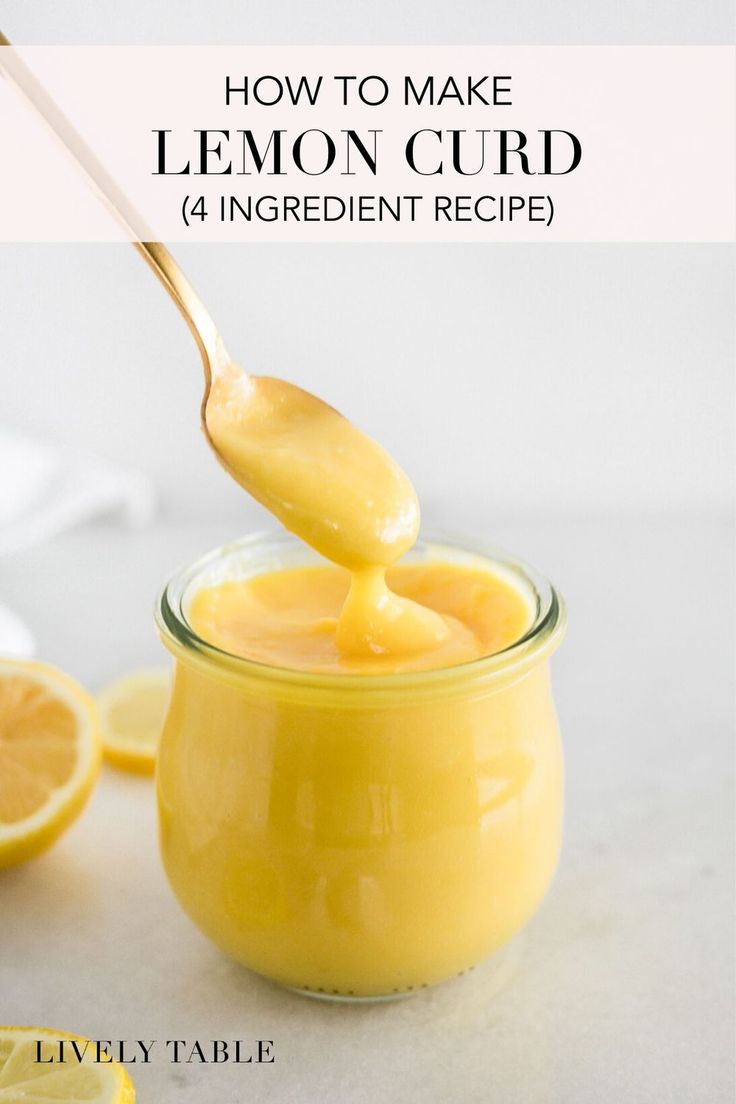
(43, 491)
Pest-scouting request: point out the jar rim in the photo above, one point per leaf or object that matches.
(540, 639)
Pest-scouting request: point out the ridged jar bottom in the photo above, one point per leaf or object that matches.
(498, 971)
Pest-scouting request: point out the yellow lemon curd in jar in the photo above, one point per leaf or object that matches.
(352, 801)
(291, 618)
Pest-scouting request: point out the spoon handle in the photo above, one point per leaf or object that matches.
(154, 253)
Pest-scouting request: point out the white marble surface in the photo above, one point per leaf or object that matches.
(624, 988)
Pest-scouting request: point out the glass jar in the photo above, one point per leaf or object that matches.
(359, 836)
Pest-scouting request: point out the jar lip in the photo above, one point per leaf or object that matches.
(544, 633)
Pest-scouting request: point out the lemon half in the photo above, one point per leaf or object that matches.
(24, 1079)
(49, 756)
(132, 711)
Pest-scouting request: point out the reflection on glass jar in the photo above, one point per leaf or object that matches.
(359, 835)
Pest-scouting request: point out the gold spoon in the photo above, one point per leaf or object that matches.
(357, 510)
(212, 350)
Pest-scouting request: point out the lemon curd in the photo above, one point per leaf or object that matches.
(291, 618)
(359, 777)
(365, 832)
(336, 489)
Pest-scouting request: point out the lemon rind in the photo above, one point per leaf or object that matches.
(114, 1076)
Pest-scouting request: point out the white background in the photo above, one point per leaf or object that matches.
(612, 22)
(505, 379)
(529, 378)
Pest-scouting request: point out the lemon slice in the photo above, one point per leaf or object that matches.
(24, 1079)
(132, 711)
(49, 756)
